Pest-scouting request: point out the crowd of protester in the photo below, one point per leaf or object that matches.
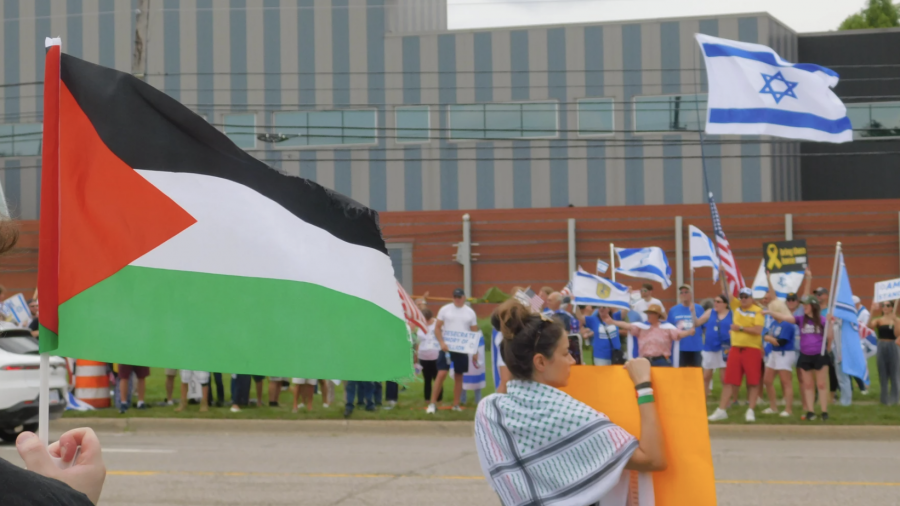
(759, 343)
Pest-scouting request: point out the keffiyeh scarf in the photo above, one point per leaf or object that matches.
(539, 446)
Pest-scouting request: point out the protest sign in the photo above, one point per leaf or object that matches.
(887, 290)
(462, 342)
(785, 256)
(18, 307)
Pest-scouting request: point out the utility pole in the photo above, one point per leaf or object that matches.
(141, 33)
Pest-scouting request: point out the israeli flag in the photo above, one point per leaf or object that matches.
(589, 289)
(783, 282)
(602, 266)
(753, 91)
(703, 251)
(648, 263)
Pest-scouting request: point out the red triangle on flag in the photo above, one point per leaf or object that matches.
(109, 215)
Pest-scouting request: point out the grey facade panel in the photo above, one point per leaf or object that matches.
(265, 56)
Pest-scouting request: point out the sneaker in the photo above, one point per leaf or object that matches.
(348, 410)
(326, 405)
(235, 409)
(865, 392)
(167, 402)
(273, 404)
(718, 414)
(784, 414)
(810, 416)
(392, 403)
(371, 408)
(142, 405)
(456, 408)
(825, 416)
(750, 416)
(431, 409)
(122, 410)
(769, 411)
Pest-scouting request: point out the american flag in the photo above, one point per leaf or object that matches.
(732, 272)
(530, 299)
(411, 310)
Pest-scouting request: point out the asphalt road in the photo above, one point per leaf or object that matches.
(375, 469)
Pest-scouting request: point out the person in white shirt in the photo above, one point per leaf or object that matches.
(862, 314)
(646, 301)
(461, 318)
(427, 352)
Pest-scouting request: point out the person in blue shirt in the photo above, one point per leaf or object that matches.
(606, 337)
(681, 316)
(716, 323)
(780, 361)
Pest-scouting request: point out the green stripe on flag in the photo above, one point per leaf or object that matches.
(233, 324)
(47, 339)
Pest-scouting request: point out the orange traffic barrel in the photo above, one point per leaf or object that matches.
(92, 383)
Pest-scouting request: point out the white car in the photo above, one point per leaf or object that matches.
(20, 382)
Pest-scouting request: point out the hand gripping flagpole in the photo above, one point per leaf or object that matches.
(831, 295)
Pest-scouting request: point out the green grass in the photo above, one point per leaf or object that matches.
(865, 410)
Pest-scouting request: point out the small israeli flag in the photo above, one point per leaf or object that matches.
(753, 91)
(703, 251)
(602, 266)
(648, 263)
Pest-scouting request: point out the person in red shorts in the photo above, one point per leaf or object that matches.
(141, 372)
(745, 356)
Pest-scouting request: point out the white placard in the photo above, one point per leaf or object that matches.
(18, 307)
(887, 290)
(462, 342)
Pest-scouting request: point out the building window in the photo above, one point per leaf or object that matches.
(20, 139)
(595, 117)
(241, 129)
(875, 119)
(670, 113)
(325, 128)
(413, 124)
(503, 121)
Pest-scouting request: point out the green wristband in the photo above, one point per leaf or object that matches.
(645, 399)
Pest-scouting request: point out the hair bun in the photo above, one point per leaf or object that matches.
(512, 316)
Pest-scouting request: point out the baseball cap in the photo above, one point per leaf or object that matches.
(685, 286)
(746, 291)
(820, 290)
(791, 296)
(855, 299)
(810, 299)
(458, 293)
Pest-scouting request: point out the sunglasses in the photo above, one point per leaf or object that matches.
(720, 301)
(744, 296)
(792, 299)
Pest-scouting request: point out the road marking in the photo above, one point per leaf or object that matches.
(470, 478)
(136, 450)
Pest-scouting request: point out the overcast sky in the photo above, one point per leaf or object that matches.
(800, 15)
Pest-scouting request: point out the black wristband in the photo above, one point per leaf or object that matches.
(645, 384)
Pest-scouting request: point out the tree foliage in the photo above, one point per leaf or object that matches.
(876, 14)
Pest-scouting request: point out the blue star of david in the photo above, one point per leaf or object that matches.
(781, 282)
(778, 95)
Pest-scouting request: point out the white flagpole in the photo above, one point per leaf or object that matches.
(612, 260)
(44, 399)
(831, 294)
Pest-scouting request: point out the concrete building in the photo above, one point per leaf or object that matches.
(380, 101)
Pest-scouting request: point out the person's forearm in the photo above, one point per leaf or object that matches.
(755, 330)
(439, 335)
(651, 442)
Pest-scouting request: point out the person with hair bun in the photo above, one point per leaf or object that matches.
(526, 435)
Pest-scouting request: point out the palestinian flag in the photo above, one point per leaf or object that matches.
(164, 244)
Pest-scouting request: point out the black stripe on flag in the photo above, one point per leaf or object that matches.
(150, 130)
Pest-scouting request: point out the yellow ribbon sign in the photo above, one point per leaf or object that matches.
(774, 262)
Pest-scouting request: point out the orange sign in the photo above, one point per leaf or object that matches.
(689, 478)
